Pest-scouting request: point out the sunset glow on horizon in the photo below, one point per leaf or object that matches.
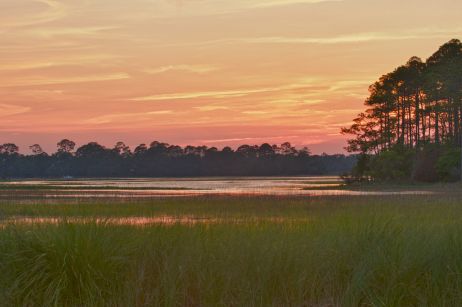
(203, 72)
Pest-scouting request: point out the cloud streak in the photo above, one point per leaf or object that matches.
(124, 117)
(213, 7)
(52, 11)
(197, 69)
(225, 93)
(245, 139)
(31, 81)
(351, 38)
(8, 110)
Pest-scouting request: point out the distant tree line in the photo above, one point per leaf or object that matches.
(164, 160)
(412, 126)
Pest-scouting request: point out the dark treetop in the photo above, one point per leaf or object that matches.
(412, 125)
(164, 160)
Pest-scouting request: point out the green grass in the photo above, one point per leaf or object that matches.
(325, 251)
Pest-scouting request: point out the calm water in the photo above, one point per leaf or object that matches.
(277, 186)
(37, 191)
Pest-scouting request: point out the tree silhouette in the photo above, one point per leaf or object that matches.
(36, 149)
(9, 149)
(165, 160)
(122, 150)
(415, 106)
(65, 146)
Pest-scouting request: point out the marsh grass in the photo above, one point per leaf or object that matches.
(77, 187)
(347, 251)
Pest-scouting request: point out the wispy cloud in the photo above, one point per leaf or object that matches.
(207, 94)
(359, 37)
(299, 100)
(350, 84)
(72, 31)
(262, 138)
(8, 109)
(254, 112)
(124, 117)
(33, 81)
(212, 7)
(224, 93)
(267, 3)
(93, 59)
(198, 69)
(52, 11)
(208, 108)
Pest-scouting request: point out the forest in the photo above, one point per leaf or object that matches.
(159, 159)
(411, 128)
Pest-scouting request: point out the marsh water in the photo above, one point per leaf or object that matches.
(124, 191)
(171, 187)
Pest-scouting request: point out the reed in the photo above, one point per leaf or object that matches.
(334, 251)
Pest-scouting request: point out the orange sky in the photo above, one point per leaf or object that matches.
(212, 72)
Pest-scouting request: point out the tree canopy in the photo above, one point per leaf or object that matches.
(412, 113)
(164, 160)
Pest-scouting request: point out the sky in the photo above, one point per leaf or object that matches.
(203, 72)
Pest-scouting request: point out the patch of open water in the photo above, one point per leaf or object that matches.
(177, 187)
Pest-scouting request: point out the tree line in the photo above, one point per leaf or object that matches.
(411, 128)
(160, 159)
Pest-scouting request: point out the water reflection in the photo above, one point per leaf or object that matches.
(137, 220)
(145, 188)
(129, 221)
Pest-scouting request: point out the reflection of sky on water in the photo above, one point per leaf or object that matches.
(165, 187)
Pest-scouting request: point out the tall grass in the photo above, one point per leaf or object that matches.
(402, 253)
(68, 265)
(233, 207)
